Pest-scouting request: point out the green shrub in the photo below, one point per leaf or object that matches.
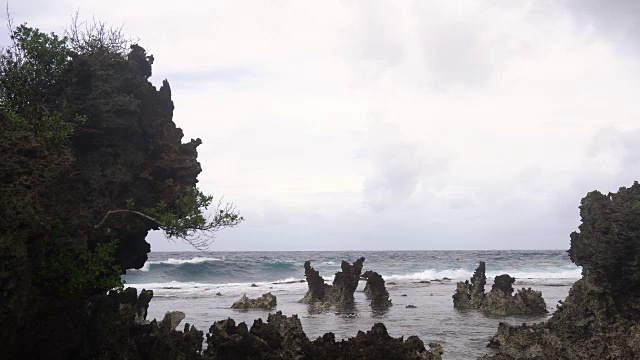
(69, 271)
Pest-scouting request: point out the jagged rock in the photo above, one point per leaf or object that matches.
(601, 315)
(340, 292)
(133, 308)
(282, 333)
(376, 290)
(128, 148)
(282, 337)
(114, 332)
(499, 301)
(266, 301)
(470, 294)
(374, 344)
(411, 306)
(226, 340)
(504, 284)
(171, 320)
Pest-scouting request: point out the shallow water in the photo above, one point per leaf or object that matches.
(189, 282)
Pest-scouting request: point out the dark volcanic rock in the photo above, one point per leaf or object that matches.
(600, 319)
(374, 344)
(376, 290)
(499, 301)
(266, 301)
(470, 294)
(524, 302)
(340, 292)
(282, 337)
(128, 148)
(504, 284)
(116, 330)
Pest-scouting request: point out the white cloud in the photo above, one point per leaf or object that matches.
(405, 125)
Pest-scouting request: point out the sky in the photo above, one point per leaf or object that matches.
(393, 125)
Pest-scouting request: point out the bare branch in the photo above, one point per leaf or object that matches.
(97, 226)
(197, 233)
(96, 37)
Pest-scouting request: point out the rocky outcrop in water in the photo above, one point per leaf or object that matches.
(600, 318)
(470, 294)
(266, 301)
(282, 337)
(376, 291)
(340, 292)
(499, 301)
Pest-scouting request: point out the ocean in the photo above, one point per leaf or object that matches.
(190, 282)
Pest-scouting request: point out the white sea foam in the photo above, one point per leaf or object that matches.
(431, 274)
(171, 261)
(328, 263)
(522, 276)
(197, 289)
(575, 273)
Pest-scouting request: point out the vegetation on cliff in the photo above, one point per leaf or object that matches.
(92, 161)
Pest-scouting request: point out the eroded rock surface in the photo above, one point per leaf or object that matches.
(470, 294)
(499, 301)
(376, 290)
(340, 292)
(282, 337)
(600, 319)
(266, 301)
(128, 150)
(118, 329)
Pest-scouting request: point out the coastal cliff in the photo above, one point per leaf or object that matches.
(126, 150)
(601, 315)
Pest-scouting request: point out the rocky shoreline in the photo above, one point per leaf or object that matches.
(68, 230)
(600, 319)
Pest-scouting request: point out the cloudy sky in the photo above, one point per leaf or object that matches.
(350, 125)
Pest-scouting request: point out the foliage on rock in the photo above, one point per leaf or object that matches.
(82, 131)
(70, 271)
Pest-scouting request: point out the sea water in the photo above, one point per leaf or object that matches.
(204, 285)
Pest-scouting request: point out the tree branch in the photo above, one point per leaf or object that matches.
(126, 211)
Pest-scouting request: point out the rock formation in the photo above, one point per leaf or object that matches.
(266, 301)
(499, 301)
(171, 320)
(600, 319)
(470, 294)
(376, 291)
(128, 148)
(116, 330)
(340, 292)
(282, 337)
